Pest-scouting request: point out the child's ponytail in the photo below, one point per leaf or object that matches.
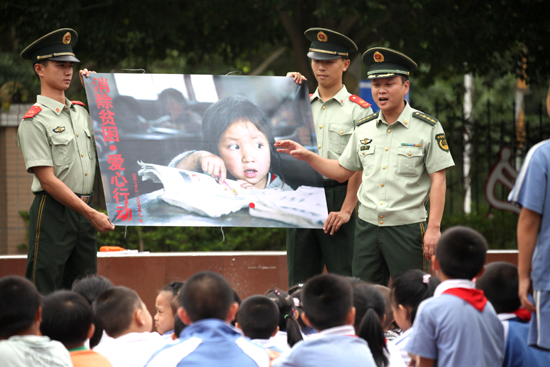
(287, 322)
(369, 315)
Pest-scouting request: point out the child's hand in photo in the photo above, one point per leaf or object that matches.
(214, 166)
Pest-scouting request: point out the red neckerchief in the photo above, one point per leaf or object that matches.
(523, 314)
(475, 297)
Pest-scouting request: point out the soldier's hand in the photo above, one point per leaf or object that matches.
(84, 73)
(101, 222)
(292, 148)
(335, 221)
(431, 237)
(298, 78)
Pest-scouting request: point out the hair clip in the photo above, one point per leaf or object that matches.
(286, 316)
(296, 302)
(426, 278)
(276, 291)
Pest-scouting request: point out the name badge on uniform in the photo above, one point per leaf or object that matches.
(365, 147)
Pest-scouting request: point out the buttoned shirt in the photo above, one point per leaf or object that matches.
(60, 136)
(335, 121)
(396, 160)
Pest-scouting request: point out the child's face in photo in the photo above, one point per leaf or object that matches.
(164, 319)
(245, 151)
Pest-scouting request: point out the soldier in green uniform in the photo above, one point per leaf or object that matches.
(58, 147)
(403, 155)
(335, 115)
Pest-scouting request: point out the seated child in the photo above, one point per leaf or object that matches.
(126, 319)
(209, 339)
(67, 317)
(457, 326)
(90, 287)
(407, 292)
(369, 318)
(20, 316)
(237, 143)
(166, 309)
(289, 329)
(389, 324)
(296, 293)
(499, 282)
(258, 318)
(328, 307)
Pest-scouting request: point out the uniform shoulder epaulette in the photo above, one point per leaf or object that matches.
(361, 102)
(34, 110)
(78, 103)
(425, 117)
(374, 116)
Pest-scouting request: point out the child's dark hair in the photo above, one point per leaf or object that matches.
(386, 293)
(258, 317)
(114, 309)
(327, 300)
(206, 295)
(296, 293)
(369, 314)
(411, 288)
(173, 288)
(178, 326)
(500, 283)
(461, 252)
(90, 287)
(66, 317)
(287, 322)
(219, 116)
(19, 305)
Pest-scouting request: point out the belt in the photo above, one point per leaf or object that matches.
(333, 183)
(85, 198)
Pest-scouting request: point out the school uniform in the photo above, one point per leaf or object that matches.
(210, 342)
(401, 342)
(338, 346)
(458, 327)
(132, 349)
(517, 352)
(531, 192)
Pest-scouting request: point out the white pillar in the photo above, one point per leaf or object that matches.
(467, 153)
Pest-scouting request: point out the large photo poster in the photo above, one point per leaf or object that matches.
(197, 150)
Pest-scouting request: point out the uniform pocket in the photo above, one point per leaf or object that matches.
(366, 156)
(63, 149)
(90, 144)
(339, 136)
(410, 160)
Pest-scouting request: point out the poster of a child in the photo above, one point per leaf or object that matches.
(225, 173)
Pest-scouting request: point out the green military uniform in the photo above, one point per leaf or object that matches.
(62, 243)
(396, 161)
(309, 250)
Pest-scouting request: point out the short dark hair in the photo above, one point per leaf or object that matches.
(370, 310)
(173, 288)
(404, 78)
(19, 304)
(411, 288)
(220, 115)
(500, 283)
(90, 287)
(461, 252)
(327, 300)
(258, 317)
(41, 62)
(206, 295)
(114, 309)
(66, 317)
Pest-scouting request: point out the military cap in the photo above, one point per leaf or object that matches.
(385, 62)
(56, 46)
(328, 45)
